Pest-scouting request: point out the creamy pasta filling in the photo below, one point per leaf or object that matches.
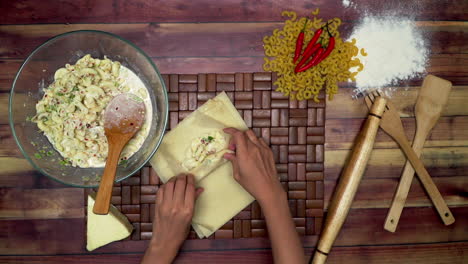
(204, 149)
(71, 112)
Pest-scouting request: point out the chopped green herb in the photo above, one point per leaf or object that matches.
(64, 162)
(70, 98)
(37, 155)
(49, 153)
(51, 108)
(123, 163)
(29, 118)
(42, 151)
(210, 138)
(75, 88)
(59, 94)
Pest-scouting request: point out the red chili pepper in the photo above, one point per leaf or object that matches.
(331, 45)
(312, 62)
(299, 43)
(307, 56)
(312, 42)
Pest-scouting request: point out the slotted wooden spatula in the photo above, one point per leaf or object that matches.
(391, 124)
(432, 99)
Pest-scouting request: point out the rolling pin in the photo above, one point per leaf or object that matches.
(349, 182)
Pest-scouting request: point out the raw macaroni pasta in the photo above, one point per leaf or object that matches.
(279, 51)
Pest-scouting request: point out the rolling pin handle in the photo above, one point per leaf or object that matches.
(319, 257)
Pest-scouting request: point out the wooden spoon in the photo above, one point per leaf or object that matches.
(123, 118)
(432, 98)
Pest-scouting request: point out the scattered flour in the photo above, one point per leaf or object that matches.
(346, 3)
(349, 4)
(396, 51)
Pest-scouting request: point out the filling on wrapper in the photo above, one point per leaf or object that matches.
(205, 149)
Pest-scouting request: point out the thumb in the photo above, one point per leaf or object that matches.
(235, 165)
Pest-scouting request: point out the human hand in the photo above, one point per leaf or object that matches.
(174, 210)
(253, 165)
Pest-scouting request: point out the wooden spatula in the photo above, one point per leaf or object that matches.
(391, 124)
(124, 116)
(432, 99)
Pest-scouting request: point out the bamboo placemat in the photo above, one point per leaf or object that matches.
(295, 131)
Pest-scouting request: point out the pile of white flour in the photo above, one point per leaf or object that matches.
(396, 51)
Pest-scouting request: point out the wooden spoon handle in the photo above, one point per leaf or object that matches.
(349, 182)
(428, 184)
(399, 199)
(101, 206)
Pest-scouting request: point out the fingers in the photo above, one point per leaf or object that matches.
(190, 191)
(169, 189)
(238, 139)
(232, 147)
(179, 189)
(198, 192)
(231, 130)
(251, 135)
(267, 149)
(159, 196)
(262, 143)
(235, 164)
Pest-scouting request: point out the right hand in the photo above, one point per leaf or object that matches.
(175, 201)
(253, 165)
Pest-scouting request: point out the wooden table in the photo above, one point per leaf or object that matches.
(43, 221)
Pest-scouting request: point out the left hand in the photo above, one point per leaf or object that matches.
(174, 210)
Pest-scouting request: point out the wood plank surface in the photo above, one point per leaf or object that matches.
(388, 163)
(417, 225)
(19, 203)
(206, 39)
(447, 66)
(42, 236)
(454, 253)
(18, 172)
(378, 193)
(26, 12)
(344, 106)
(450, 131)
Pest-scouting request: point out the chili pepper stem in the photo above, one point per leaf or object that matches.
(328, 31)
(305, 24)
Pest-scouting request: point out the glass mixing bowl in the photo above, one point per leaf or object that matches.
(37, 73)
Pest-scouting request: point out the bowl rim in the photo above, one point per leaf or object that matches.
(10, 98)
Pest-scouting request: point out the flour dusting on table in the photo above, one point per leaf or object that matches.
(396, 51)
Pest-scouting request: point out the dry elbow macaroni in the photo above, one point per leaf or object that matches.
(71, 112)
(280, 48)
